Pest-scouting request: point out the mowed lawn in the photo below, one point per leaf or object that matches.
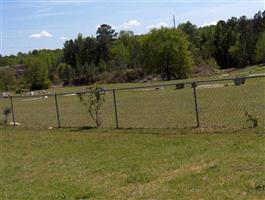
(131, 164)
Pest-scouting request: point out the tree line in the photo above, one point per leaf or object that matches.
(171, 53)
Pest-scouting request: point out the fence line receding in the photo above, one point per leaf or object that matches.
(226, 103)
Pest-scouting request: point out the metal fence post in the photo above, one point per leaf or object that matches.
(13, 112)
(194, 85)
(115, 108)
(57, 111)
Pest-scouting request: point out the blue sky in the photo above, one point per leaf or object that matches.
(36, 24)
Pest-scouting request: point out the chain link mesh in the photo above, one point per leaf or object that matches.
(158, 107)
(74, 114)
(221, 104)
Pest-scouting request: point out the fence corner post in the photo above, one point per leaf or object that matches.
(115, 108)
(12, 109)
(194, 86)
(57, 111)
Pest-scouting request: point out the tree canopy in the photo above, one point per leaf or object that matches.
(166, 53)
(260, 49)
(171, 53)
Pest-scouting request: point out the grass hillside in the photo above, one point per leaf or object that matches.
(135, 164)
(213, 162)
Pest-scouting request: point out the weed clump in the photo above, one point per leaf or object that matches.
(6, 111)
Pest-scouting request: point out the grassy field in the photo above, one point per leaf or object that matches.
(221, 107)
(173, 161)
(252, 70)
(167, 107)
(131, 164)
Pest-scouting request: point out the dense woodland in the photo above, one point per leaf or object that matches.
(170, 53)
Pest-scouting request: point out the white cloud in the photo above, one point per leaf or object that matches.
(131, 24)
(126, 25)
(212, 10)
(209, 24)
(63, 38)
(42, 34)
(159, 25)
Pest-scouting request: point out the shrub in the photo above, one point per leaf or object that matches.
(251, 121)
(93, 100)
(6, 112)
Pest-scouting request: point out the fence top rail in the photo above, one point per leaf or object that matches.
(140, 87)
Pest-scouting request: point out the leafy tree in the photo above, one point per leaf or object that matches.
(1, 60)
(223, 41)
(242, 42)
(66, 73)
(166, 52)
(90, 73)
(36, 74)
(120, 56)
(78, 53)
(133, 46)
(126, 38)
(260, 49)
(7, 79)
(102, 66)
(191, 31)
(69, 53)
(93, 100)
(232, 43)
(89, 52)
(105, 35)
(206, 43)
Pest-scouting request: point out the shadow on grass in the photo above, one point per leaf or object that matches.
(161, 131)
(148, 131)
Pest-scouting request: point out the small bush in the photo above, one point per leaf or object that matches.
(251, 120)
(93, 100)
(6, 112)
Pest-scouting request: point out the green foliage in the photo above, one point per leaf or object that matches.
(6, 111)
(80, 51)
(251, 120)
(166, 53)
(133, 47)
(236, 43)
(206, 42)
(7, 79)
(93, 100)
(223, 40)
(105, 36)
(36, 74)
(260, 49)
(64, 71)
(120, 56)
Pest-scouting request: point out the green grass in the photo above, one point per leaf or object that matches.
(131, 164)
(219, 108)
(237, 73)
(166, 108)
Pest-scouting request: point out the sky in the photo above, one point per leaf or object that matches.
(37, 24)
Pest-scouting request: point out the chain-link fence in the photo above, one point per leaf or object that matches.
(223, 104)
